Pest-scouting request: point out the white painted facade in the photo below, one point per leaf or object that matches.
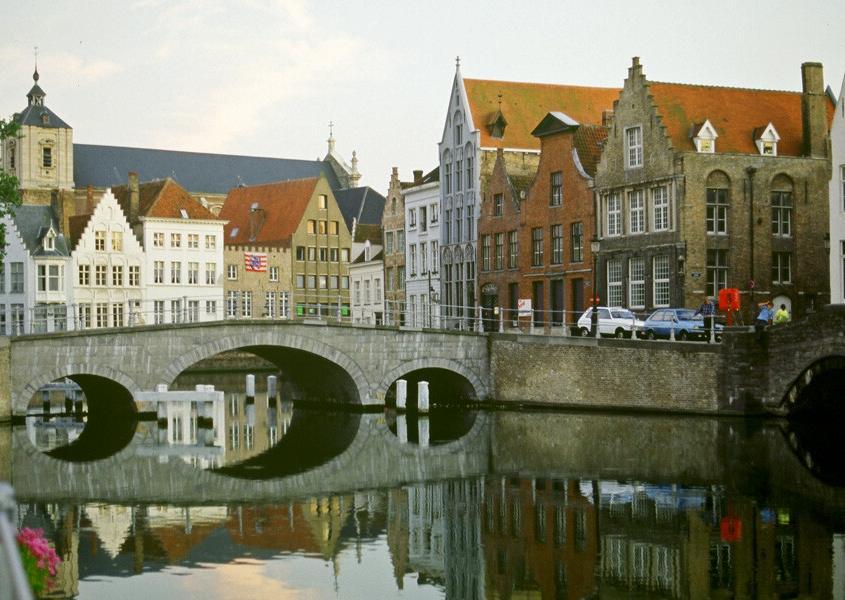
(183, 270)
(107, 270)
(366, 280)
(17, 284)
(837, 202)
(422, 255)
(460, 159)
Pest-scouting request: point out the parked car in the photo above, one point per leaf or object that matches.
(687, 325)
(615, 321)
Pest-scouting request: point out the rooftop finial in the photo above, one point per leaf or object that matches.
(331, 128)
(457, 62)
(35, 75)
(500, 101)
(331, 137)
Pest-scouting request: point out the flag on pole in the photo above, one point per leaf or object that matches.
(255, 262)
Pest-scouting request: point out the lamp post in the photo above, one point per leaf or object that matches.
(595, 246)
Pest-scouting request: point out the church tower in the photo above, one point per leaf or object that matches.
(41, 157)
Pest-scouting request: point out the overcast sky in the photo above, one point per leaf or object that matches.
(265, 77)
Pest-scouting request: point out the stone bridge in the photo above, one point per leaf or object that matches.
(352, 364)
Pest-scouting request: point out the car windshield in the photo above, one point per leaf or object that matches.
(622, 314)
(688, 315)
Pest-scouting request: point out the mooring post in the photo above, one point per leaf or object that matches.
(401, 394)
(422, 397)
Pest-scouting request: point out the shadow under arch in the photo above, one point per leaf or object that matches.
(817, 391)
(447, 384)
(317, 370)
(313, 439)
(111, 422)
(74, 371)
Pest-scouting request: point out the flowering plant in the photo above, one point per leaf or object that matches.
(39, 559)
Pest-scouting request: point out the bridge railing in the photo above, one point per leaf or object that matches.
(416, 312)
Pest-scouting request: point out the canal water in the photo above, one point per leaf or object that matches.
(217, 495)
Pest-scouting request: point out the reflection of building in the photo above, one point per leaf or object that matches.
(464, 568)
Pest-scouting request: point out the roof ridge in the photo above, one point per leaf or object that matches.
(223, 154)
(726, 87)
(536, 83)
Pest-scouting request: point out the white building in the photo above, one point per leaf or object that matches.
(837, 202)
(366, 274)
(422, 252)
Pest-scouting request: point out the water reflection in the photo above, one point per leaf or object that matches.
(443, 424)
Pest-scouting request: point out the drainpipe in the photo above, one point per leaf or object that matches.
(751, 171)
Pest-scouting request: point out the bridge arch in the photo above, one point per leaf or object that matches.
(818, 385)
(272, 339)
(21, 401)
(420, 364)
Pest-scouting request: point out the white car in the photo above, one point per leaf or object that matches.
(616, 321)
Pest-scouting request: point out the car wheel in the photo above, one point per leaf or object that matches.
(682, 335)
(585, 332)
(649, 335)
(619, 333)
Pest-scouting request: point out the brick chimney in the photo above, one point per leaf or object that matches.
(607, 118)
(417, 176)
(813, 109)
(256, 220)
(134, 198)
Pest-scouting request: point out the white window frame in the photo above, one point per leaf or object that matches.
(614, 214)
(660, 216)
(634, 147)
(274, 274)
(614, 282)
(636, 211)
(661, 293)
(636, 282)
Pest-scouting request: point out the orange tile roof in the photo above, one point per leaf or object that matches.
(589, 141)
(283, 203)
(525, 104)
(734, 112)
(163, 199)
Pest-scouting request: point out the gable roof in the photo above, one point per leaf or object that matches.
(33, 222)
(283, 204)
(163, 199)
(525, 104)
(363, 204)
(198, 172)
(734, 112)
(33, 115)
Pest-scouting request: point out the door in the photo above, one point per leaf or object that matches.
(537, 302)
(557, 302)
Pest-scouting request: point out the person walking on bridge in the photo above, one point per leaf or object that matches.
(782, 315)
(764, 319)
(708, 311)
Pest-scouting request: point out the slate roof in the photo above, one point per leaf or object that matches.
(283, 203)
(525, 104)
(362, 203)
(164, 199)
(368, 231)
(197, 172)
(589, 142)
(33, 222)
(33, 115)
(734, 112)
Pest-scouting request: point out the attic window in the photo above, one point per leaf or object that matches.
(184, 213)
(254, 206)
(705, 138)
(234, 232)
(767, 141)
(50, 241)
(45, 118)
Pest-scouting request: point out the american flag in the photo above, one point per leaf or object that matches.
(255, 262)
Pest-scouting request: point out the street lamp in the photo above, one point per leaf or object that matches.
(595, 246)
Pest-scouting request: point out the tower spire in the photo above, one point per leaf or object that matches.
(331, 137)
(35, 74)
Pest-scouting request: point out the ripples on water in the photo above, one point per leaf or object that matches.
(258, 499)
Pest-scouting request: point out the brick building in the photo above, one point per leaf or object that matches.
(393, 226)
(701, 188)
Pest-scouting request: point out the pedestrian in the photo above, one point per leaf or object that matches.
(707, 310)
(764, 319)
(782, 315)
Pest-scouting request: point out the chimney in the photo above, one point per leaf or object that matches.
(607, 118)
(813, 109)
(134, 198)
(256, 220)
(417, 176)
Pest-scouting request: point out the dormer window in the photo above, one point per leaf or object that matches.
(705, 138)
(50, 241)
(45, 118)
(767, 141)
(497, 125)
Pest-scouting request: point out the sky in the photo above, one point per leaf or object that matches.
(265, 77)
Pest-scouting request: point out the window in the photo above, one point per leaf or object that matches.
(117, 315)
(117, 241)
(102, 314)
(49, 242)
(423, 258)
(175, 272)
(459, 215)
(485, 252)
(459, 134)
(312, 253)
(324, 254)
(333, 228)
(193, 240)
(614, 214)
(634, 147)
(781, 267)
(193, 273)
(211, 307)
(334, 254)
(175, 240)
(498, 205)
(84, 274)
(274, 273)
(412, 218)
(470, 222)
(231, 304)
(323, 202)
(636, 208)
(400, 276)
(388, 242)
(660, 208)
(446, 226)
(513, 249)
(158, 271)
(344, 282)
(458, 181)
(100, 241)
(500, 251)
(193, 311)
(311, 227)
(434, 255)
(412, 259)
(614, 282)
(333, 281)
(322, 227)
(134, 275)
(423, 219)
(717, 211)
(469, 173)
(284, 305)
(322, 281)
(344, 254)
(117, 275)
(246, 304)
(49, 278)
(210, 273)
(16, 278)
(300, 281)
(356, 294)
(447, 177)
(377, 290)
(537, 247)
(388, 278)
(717, 271)
(781, 214)
(100, 275)
(367, 293)
(576, 242)
(636, 283)
(47, 157)
(433, 211)
(158, 312)
(270, 304)
(210, 242)
(660, 278)
(311, 282)
(232, 272)
(556, 189)
(176, 311)
(556, 232)
(158, 240)
(84, 313)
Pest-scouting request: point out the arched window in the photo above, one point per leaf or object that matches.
(459, 129)
(718, 202)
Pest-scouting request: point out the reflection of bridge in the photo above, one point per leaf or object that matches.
(662, 450)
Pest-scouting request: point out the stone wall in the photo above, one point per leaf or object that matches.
(607, 374)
